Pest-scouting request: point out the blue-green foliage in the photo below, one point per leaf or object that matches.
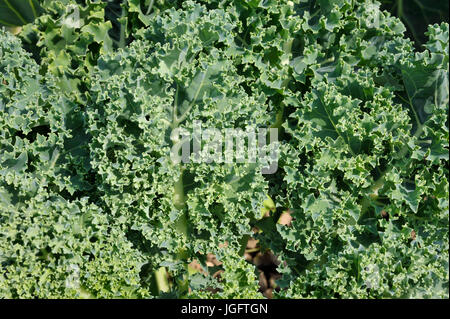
(91, 205)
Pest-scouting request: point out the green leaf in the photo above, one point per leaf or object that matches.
(18, 12)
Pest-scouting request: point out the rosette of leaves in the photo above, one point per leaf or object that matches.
(178, 73)
(91, 204)
(366, 166)
(55, 242)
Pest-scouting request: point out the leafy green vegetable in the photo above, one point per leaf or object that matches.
(15, 13)
(417, 15)
(54, 241)
(95, 96)
(359, 147)
(171, 78)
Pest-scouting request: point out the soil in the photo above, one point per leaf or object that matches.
(265, 262)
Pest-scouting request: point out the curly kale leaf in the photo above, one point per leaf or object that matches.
(177, 75)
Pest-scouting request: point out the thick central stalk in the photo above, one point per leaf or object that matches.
(178, 193)
(179, 201)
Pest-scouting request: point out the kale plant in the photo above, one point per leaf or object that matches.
(103, 193)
